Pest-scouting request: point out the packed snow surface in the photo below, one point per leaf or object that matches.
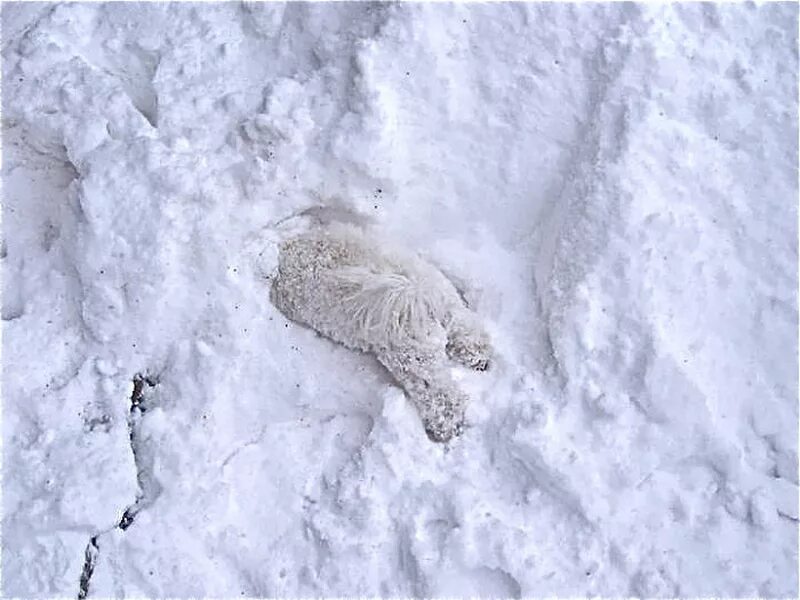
(611, 187)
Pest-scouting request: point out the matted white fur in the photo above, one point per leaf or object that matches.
(363, 293)
(386, 305)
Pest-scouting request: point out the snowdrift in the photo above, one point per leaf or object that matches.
(613, 190)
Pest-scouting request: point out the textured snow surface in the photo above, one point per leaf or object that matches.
(612, 188)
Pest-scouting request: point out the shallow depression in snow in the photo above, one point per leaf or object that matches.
(612, 189)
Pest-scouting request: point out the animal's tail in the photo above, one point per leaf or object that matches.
(389, 305)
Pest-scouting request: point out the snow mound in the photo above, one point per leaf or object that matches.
(612, 187)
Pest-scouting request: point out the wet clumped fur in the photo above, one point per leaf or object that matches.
(358, 291)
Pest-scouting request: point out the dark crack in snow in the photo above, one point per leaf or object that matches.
(149, 489)
(88, 567)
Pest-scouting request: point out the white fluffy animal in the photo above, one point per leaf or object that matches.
(355, 290)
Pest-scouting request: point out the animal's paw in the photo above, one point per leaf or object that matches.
(443, 415)
(469, 346)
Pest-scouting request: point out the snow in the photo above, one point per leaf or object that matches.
(613, 189)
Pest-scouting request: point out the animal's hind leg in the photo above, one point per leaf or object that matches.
(421, 371)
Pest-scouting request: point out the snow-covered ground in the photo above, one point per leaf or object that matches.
(612, 187)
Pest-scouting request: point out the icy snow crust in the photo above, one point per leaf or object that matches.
(611, 187)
